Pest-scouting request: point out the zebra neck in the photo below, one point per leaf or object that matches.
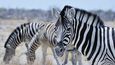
(87, 17)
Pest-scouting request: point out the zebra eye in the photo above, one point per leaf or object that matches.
(68, 29)
(55, 28)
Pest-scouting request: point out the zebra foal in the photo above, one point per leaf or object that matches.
(23, 33)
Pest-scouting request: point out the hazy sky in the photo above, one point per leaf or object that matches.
(46, 4)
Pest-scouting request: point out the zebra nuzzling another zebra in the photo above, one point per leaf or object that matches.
(88, 35)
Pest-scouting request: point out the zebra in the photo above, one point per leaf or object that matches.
(82, 29)
(25, 33)
(45, 37)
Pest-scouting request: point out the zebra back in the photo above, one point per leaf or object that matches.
(17, 33)
(22, 33)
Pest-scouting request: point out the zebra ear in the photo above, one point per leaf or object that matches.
(56, 13)
(59, 22)
(71, 13)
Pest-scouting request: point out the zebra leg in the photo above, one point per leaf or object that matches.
(32, 47)
(27, 54)
(66, 58)
(31, 59)
(26, 44)
(79, 57)
(30, 55)
(44, 51)
(31, 52)
(56, 58)
(74, 57)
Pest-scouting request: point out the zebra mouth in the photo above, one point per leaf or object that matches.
(7, 59)
(59, 52)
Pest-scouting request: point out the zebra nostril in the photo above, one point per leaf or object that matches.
(60, 42)
(61, 50)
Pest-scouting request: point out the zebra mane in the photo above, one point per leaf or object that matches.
(100, 22)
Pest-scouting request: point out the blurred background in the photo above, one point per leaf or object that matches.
(15, 12)
(43, 9)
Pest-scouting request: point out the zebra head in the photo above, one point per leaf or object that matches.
(9, 53)
(64, 30)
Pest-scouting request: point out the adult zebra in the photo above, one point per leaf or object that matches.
(81, 29)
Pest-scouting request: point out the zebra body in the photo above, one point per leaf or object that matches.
(23, 33)
(82, 29)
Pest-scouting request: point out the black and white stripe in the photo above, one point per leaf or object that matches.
(23, 33)
(89, 36)
(46, 37)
